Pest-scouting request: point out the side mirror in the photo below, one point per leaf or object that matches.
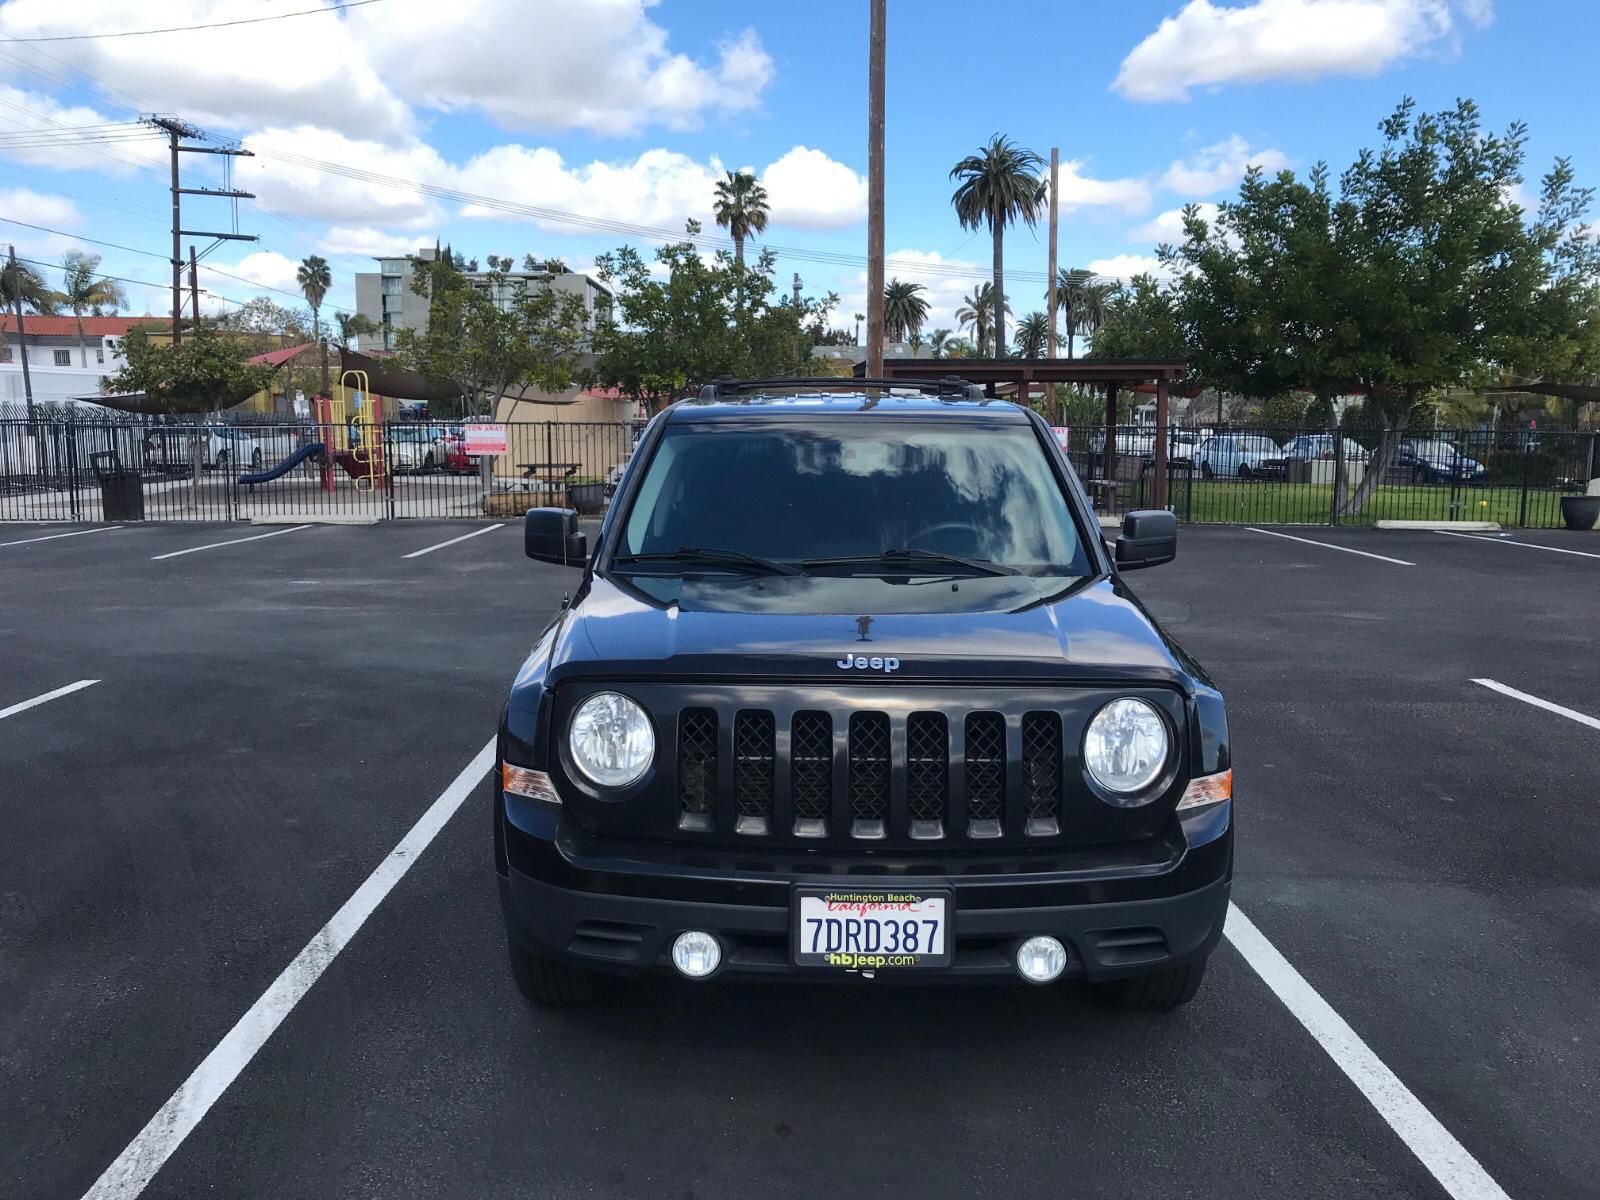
(551, 535)
(1149, 538)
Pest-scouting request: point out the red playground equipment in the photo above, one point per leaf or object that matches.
(351, 428)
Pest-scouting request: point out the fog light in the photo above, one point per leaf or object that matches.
(697, 954)
(1041, 959)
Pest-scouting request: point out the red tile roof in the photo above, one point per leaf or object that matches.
(95, 327)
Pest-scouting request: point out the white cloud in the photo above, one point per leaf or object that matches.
(1126, 266)
(362, 240)
(809, 190)
(287, 187)
(944, 293)
(1080, 191)
(1168, 227)
(264, 268)
(1206, 45)
(1219, 167)
(31, 111)
(596, 65)
(54, 212)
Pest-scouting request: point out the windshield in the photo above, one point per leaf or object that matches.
(857, 488)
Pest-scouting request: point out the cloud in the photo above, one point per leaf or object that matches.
(809, 190)
(34, 111)
(1168, 227)
(264, 268)
(596, 65)
(34, 208)
(362, 240)
(1219, 167)
(1126, 266)
(289, 187)
(944, 292)
(1080, 191)
(1206, 45)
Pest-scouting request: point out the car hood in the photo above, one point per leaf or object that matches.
(1095, 631)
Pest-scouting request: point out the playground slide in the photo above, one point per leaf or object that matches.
(309, 450)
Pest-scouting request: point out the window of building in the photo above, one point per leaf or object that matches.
(63, 358)
(392, 285)
(5, 354)
(99, 354)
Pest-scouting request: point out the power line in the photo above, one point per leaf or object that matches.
(92, 37)
(33, 262)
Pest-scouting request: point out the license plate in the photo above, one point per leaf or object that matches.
(851, 930)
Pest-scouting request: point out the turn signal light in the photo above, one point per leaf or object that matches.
(1208, 789)
(524, 781)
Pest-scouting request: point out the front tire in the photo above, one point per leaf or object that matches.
(1159, 991)
(1206, 472)
(1244, 471)
(549, 983)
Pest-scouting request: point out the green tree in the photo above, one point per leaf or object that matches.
(1141, 321)
(22, 281)
(1033, 334)
(1082, 298)
(977, 313)
(354, 325)
(999, 184)
(530, 338)
(83, 290)
(741, 209)
(314, 279)
(937, 341)
(904, 310)
(205, 372)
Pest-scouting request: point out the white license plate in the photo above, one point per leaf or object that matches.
(854, 930)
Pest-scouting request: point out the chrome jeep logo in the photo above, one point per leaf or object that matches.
(858, 662)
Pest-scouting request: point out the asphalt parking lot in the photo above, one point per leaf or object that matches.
(272, 710)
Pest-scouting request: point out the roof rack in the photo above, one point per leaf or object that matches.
(949, 388)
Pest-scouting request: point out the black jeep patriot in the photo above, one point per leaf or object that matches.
(852, 688)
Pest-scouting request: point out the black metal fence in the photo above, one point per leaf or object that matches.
(58, 468)
(1273, 475)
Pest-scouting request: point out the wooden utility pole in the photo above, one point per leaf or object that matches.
(177, 250)
(22, 333)
(194, 289)
(875, 74)
(1055, 193)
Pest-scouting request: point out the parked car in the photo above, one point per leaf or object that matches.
(415, 448)
(1431, 461)
(1240, 455)
(1320, 445)
(700, 753)
(221, 446)
(456, 460)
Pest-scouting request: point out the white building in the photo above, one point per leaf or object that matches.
(60, 366)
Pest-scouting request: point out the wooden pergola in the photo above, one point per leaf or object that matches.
(1111, 374)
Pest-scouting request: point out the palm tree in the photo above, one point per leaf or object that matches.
(937, 341)
(904, 310)
(741, 209)
(314, 279)
(999, 185)
(20, 281)
(1083, 302)
(977, 312)
(1033, 334)
(354, 325)
(82, 292)
(860, 317)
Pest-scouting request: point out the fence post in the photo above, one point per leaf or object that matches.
(388, 465)
(72, 468)
(1522, 517)
(1338, 474)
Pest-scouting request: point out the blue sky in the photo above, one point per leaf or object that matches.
(623, 111)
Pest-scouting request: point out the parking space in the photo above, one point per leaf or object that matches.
(273, 716)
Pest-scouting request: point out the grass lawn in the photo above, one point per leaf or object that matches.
(1259, 502)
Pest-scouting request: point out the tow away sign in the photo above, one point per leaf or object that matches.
(484, 439)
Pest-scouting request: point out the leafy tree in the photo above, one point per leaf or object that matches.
(977, 313)
(960, 348)
(1141, 321)
(486, 349)
(1033, 334)
(262, 324)
(937, 341)
(354, 325)
(314, 279)
(21, 280)
(1083, 299)
(674, 327)
(904, 310)
(741, 209)
(999, 184)
(205, 372)
(83, 291)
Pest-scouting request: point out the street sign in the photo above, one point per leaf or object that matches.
(484, 439)
(1061, 432)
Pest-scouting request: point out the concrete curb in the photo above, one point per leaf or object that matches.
(1446, 526)
(315, 519)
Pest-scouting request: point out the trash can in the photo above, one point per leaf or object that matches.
(121, 489)
(1297, 470)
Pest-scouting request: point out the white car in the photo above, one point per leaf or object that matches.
(415, 448)
(1240, 455)
(222, 447)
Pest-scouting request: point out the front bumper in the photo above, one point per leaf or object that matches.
(616, 908)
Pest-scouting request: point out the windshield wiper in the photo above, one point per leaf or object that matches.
(913, 558)
(711, 558)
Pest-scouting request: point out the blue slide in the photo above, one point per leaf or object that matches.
(309, 450)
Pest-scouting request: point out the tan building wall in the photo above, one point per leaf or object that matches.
(593, 430)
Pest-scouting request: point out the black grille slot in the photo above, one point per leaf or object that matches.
(1041, 773)
(927, 772)
(811, 772)
(697, 768)
(869, 774)
(753, 758)
(986, 773)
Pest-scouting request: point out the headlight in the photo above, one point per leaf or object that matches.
(611, 740)
(1125, 747)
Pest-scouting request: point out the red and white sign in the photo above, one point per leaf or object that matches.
(1061, 432)
(484, 439)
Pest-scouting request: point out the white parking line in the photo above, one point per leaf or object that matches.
(1447, 1160)
(1509, 542)
(234, 542)
(1570, 713)
(46, 698)
(465, 537)
(1399, 562)
(138, 1163)
(52, 537)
